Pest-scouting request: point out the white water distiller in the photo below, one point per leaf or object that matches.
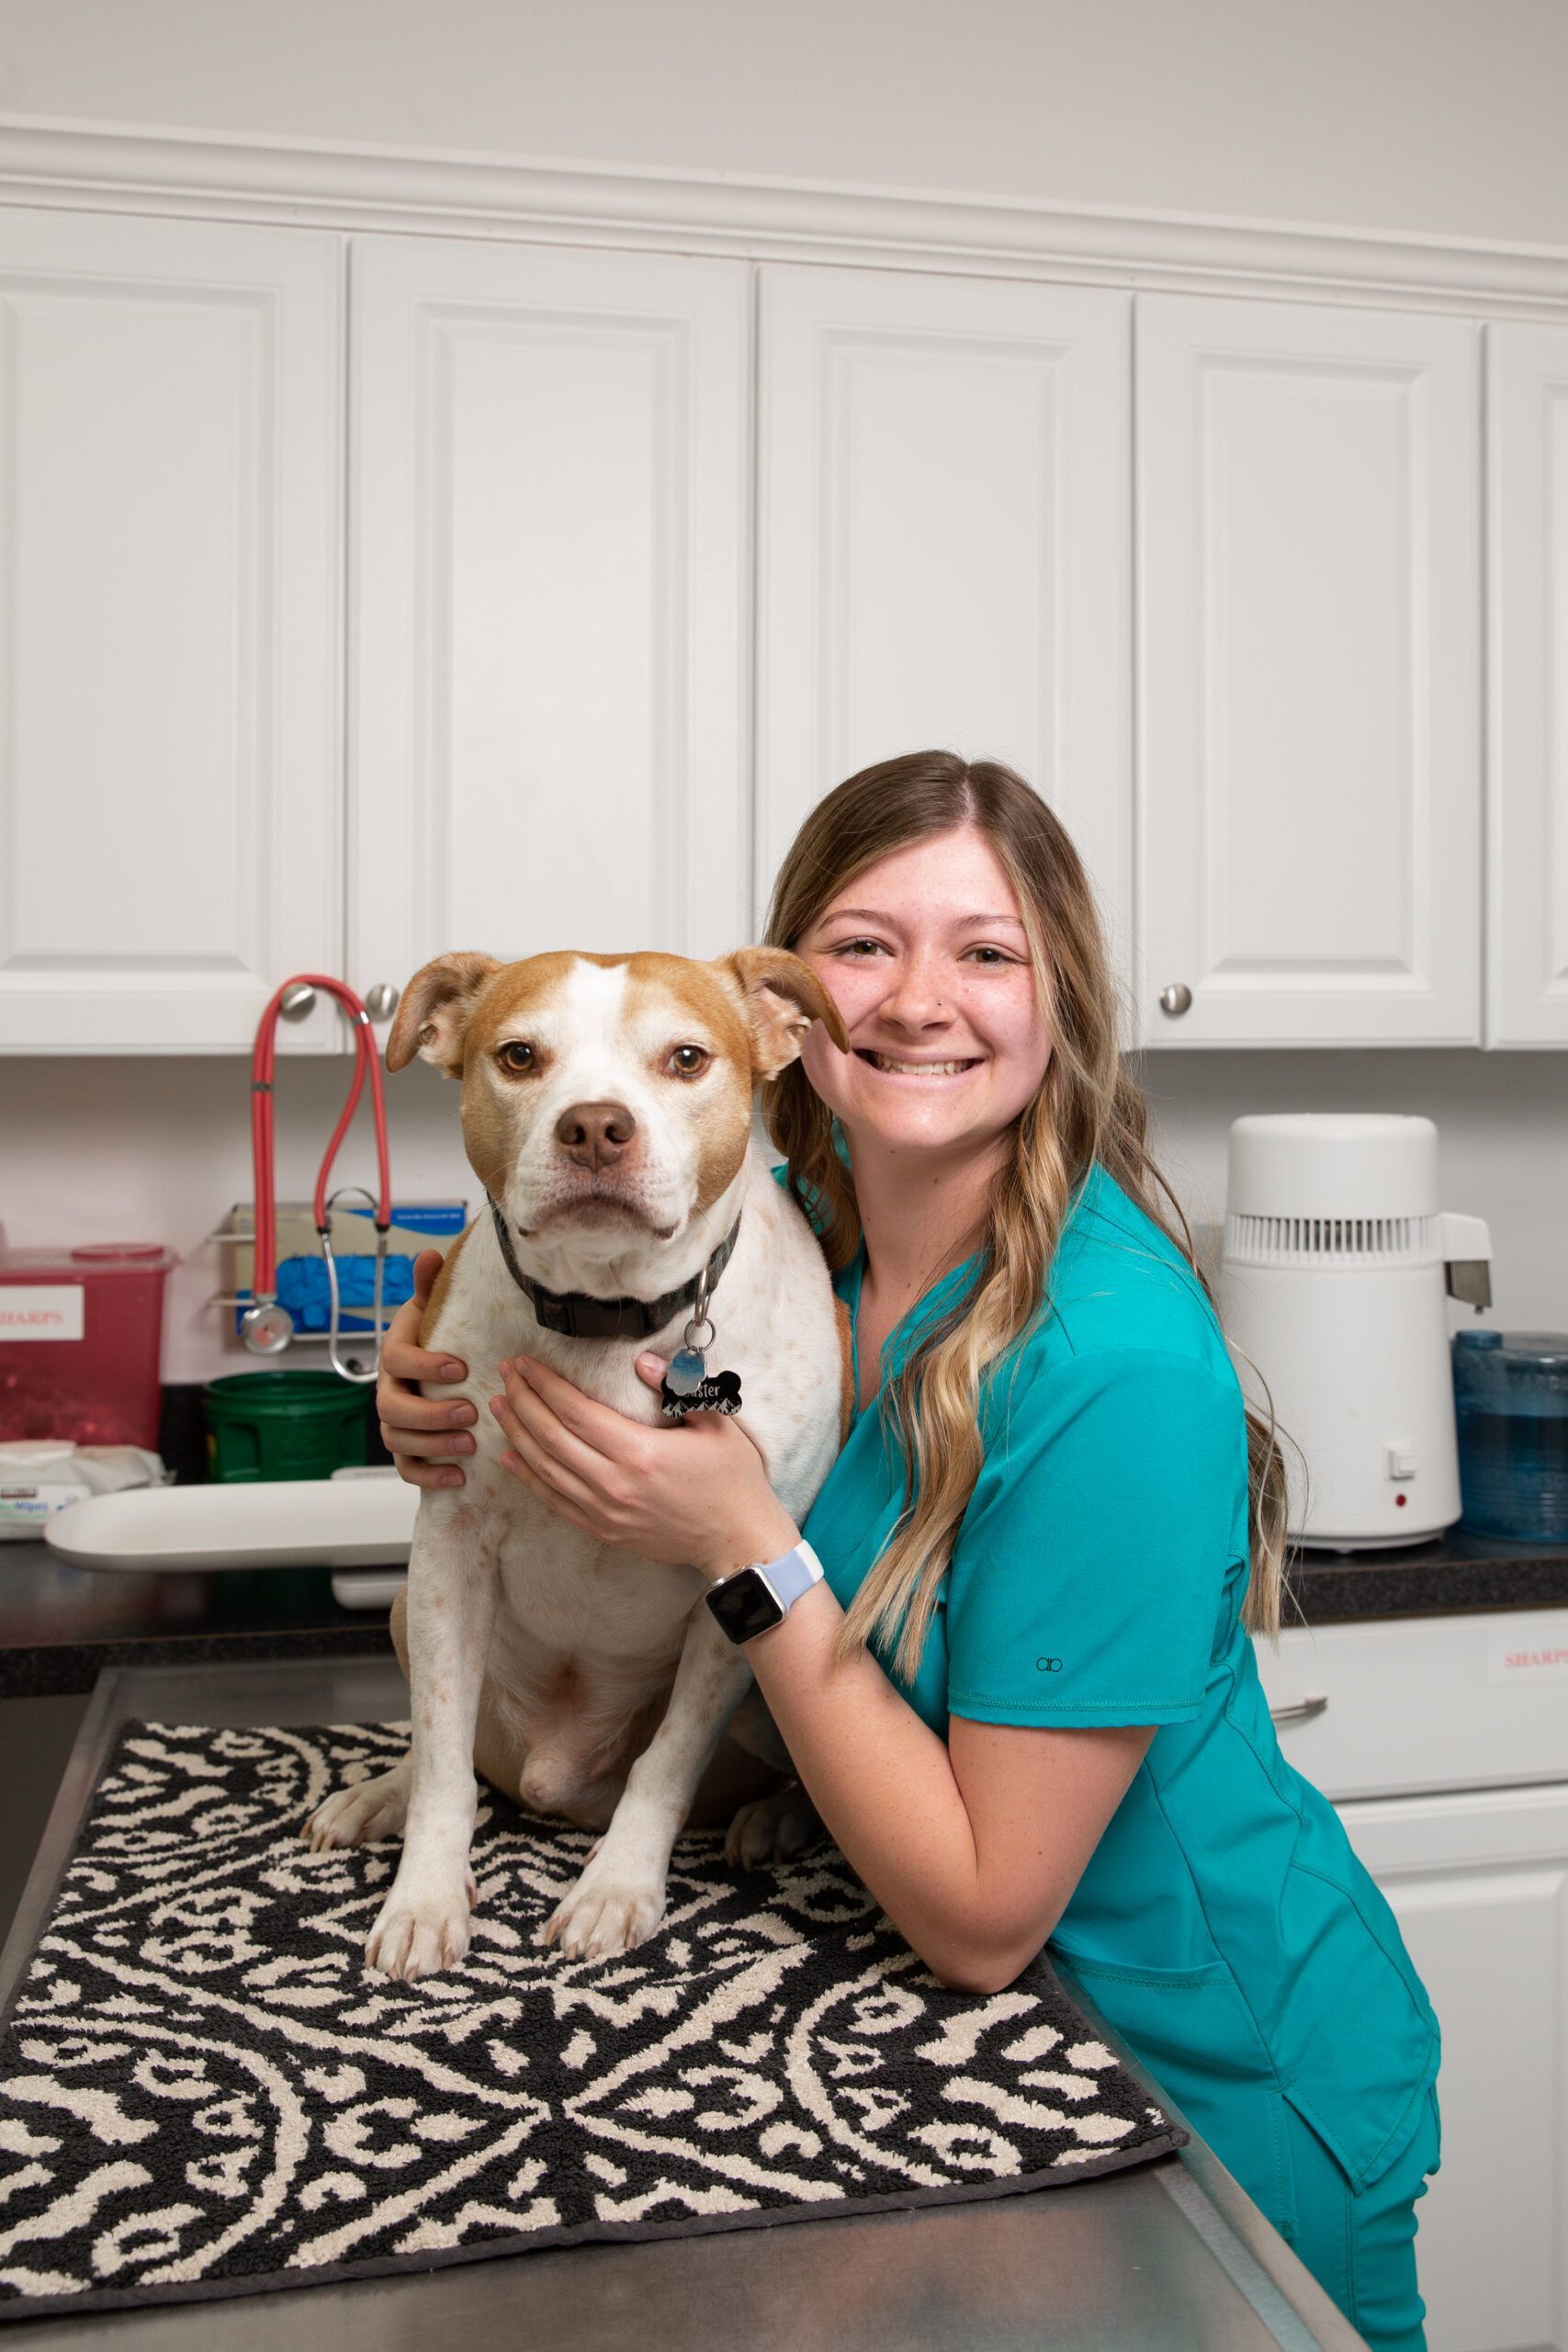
(1336, 1269)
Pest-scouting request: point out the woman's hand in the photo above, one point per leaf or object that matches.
(696, 1495)
(421, 1433)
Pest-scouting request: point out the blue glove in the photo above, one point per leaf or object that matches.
(303, 1288)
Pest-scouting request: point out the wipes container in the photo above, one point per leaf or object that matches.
(1511, 1403)
(81, 1336)
(40, 1477)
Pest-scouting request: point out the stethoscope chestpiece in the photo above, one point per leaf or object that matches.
(266, 1329)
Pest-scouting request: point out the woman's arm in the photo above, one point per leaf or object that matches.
(972, 1845)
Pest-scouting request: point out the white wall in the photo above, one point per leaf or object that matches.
(1435, 115)
(156, 1150)
(1416, 115)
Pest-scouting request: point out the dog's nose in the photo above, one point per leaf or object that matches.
(595, 1133)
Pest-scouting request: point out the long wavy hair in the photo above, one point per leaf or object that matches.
(1088, 1108)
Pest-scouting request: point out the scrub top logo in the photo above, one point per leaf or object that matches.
(1047, 1666)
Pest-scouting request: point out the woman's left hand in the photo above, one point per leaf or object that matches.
(697, 1495)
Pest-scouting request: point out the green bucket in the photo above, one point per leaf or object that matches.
(285, 1425)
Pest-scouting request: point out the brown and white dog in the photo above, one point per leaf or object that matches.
(606, 1109)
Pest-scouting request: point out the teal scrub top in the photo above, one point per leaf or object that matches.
(1223, 1924)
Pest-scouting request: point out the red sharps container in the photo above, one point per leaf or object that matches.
(81, 1335)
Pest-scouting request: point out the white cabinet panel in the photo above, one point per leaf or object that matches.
(547, 604)
(1479, 1884)
(169, 771)
(1526, 590)
(1460, 1723)
(1309, 650)
(1407, 1705)
(942, 544)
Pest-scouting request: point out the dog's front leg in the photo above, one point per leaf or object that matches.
(423, 1924)
(619, 1899)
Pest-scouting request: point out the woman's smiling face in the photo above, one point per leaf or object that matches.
(925, 956)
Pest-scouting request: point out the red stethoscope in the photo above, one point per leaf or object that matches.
(265, 1326)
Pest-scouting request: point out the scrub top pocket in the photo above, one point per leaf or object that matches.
(1357, 2045)
(1193, 2030)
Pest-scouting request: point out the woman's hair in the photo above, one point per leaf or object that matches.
(1087, 1108)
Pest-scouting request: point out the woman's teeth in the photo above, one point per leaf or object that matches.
(913, 1069)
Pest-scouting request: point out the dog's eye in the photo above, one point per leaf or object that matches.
(689, 1061)
(515, 1055)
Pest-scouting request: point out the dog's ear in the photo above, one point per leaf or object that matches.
(434, 1010)
(784, 997)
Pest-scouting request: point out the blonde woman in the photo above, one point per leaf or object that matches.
(1023, 1698)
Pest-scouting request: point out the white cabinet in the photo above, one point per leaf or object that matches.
(169, 776)
(942, 544)
(1443, 1742)
(1527, 616)
(1309, 786)
(1479, 1884)
(547, 591)
(622, 604)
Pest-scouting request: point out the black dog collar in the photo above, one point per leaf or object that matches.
(582, 1317)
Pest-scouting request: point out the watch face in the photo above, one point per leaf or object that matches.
(744, 1605)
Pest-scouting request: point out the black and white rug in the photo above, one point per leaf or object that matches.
(204, 2092)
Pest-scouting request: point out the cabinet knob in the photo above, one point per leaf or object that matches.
(1175, 999)
(299, 1002)
(381, 1001)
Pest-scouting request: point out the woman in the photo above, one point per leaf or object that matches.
(1024, 1699)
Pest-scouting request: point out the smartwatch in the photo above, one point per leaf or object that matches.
(756, 1598)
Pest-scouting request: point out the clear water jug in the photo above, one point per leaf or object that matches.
(1511, 1404)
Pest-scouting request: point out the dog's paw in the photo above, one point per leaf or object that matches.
(604, 1913)
(772, 1829)
(421, 1930)
(368, 1810)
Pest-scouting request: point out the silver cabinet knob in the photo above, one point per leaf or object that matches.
(381, 1001)
(297, 1003)
(1174, 998)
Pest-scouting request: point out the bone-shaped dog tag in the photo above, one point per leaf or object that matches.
(717, 1393)
(686, 1387)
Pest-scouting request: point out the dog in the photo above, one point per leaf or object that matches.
(607, 1106)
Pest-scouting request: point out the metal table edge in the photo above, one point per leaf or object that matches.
(1254, 2252)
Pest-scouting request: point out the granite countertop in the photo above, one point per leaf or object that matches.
(59, 1625)
(1448, 1574)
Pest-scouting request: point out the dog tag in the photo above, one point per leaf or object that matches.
(717, 1393)
(686, 1387)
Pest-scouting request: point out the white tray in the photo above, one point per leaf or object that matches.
(361, 1522)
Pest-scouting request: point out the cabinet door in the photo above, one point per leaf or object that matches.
(1309, 639)
(547, 603)
(1479, 1884)
(1527, 595)
(942, 544)
(170, 485)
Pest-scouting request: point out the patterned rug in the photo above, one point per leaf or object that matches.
(203, 2091)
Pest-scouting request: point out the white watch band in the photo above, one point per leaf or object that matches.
(793, 1572)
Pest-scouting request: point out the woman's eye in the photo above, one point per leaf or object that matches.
(689, 1061)
(853, 947)
(516, 1056)
(993, 956)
